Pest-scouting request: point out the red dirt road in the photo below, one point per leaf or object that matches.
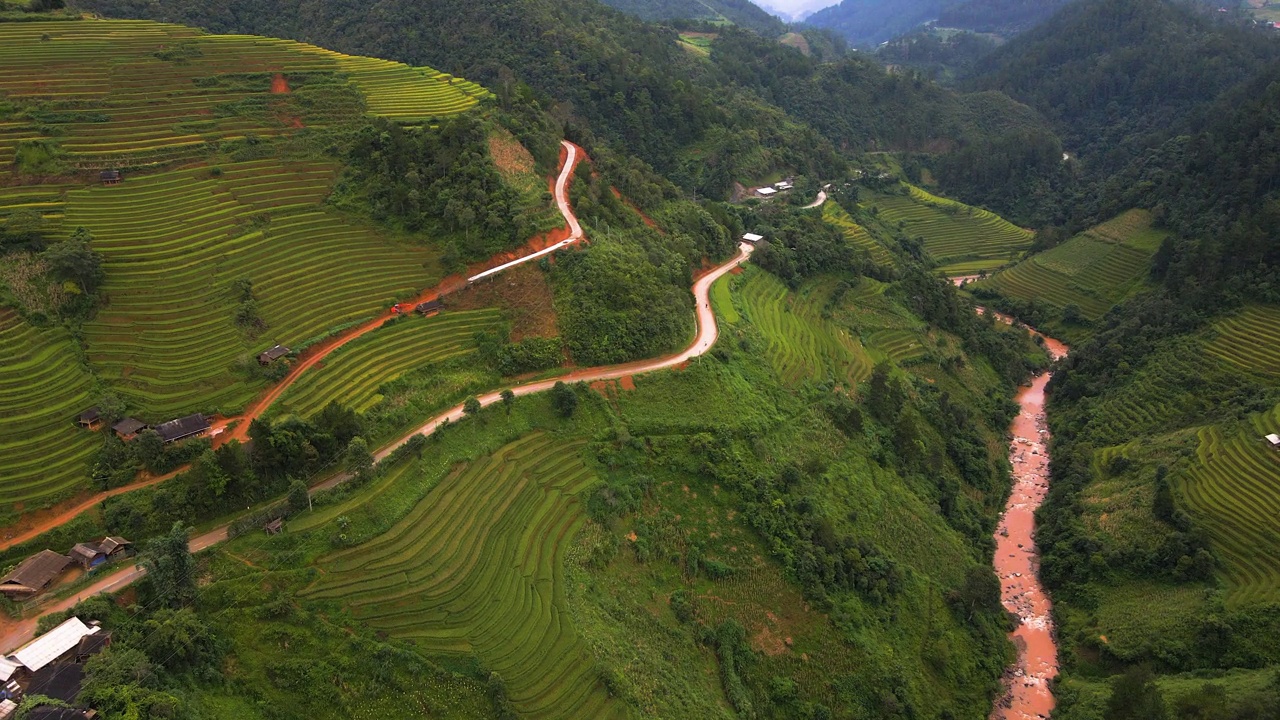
(1017, 562)
(237, 428)
(16, 633)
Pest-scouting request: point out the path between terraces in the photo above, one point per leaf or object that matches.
(237, 428)
(16, 633)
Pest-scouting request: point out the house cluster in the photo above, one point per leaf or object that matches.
(129, 428)
(37, 572)
(770, 191)
(51, 666)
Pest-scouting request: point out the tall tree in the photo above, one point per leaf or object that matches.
(171, 568)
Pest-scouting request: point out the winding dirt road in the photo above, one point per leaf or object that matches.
(237, 428)
(16, 633)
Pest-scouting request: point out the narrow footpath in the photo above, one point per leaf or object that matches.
(14, 634)
(1027, 694)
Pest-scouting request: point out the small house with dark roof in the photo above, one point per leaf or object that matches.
(110, 177)
(183, 428)
(128, 428)
(34, 574)
(430, 307)
(90, 419)
(275, 527)
(60, 680)
(115, 545)
(270, 356)
(91, 645)
(87, 556)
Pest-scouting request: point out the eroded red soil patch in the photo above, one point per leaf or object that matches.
(279, 86)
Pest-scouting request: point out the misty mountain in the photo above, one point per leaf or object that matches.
(871, 22)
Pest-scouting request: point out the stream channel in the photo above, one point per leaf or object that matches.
(1017, 561)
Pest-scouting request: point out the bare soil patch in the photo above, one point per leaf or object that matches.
(523, 292)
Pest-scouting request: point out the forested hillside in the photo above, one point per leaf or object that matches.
(1119, 77)
(720, 124)
(742, 13)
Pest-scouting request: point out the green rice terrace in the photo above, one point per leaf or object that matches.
(1093, 270)
(43, 386)
(961, 238)
(1249, 339)
(477, 568)
(101, 93)
(801, 344)
(856, 234)
(1233, 489)
(175, 244)
(355, 373)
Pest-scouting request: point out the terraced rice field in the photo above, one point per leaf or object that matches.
(1093, 270)
(42, 389)
(856, 234)
(174, 243)
(477, 569)
(353, 375)
(126, 92)
(1249, 339)
(802, 345)
(957, 236)
(1233, 490)
(901, 346)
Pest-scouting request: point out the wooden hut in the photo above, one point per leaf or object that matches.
(110, 177)
(269, 356)
(34, 574)
(128, 428)
(90, 419)
(430, 307)
(275, 527)
(183, 428)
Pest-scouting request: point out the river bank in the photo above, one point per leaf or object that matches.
(1017, 561)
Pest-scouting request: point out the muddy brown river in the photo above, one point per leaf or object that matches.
(1027, 695)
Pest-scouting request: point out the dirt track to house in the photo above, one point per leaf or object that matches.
(14, 634)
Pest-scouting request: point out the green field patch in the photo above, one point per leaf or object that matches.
(353, 375)
(1233, 490)
(801, 344)
(476, 568)
(856, 234)
(124, 92)
(43, 387)
(175, 244)
(1093, 271)
(1249, 339)
(954, 234)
